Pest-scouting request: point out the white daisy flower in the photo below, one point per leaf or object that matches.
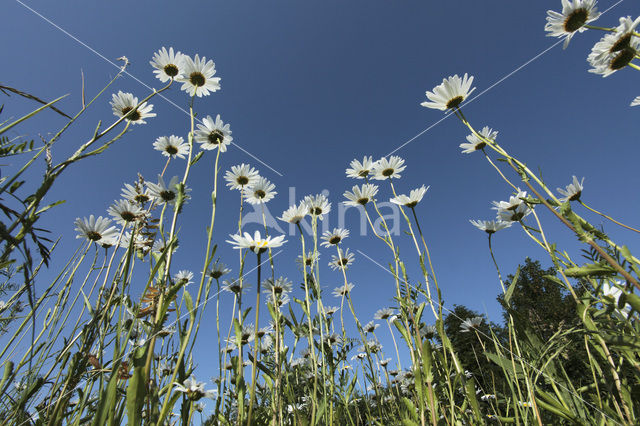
(140, 242)
(166, 193)
(124, 105)
(198, 76)
(256, 243)
(388, 168)
(279, 286)
(575, 15)
(470, 324)
(160, 246)
(183, 277)
(513, 203)
(613, 292)
(171, 146)
(360, 195)
(95, 229)
(360, 170)
(136, 193)
(242, 176)
(342, 262)
(194, 390)
(213, 134)
(476, 143)
(218, 270)
(334, 237)
(167, 64)
(450, 93)
(636, 101)
(330, 310)
(342, 290)
(309, 260)
(294, 214)
(573, 191)
(124, 211)
(318, 205)
(234, 286)
(615, 50)
(490, 226)
(370, 327)
(415, 196)
(260, 192)
(514, 215)
(383, 314)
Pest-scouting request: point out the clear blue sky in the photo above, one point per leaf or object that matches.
(308, 86)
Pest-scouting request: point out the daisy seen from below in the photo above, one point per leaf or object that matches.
(615, 50)
(343, 262)
(490, 226)
(95, 230)
(255, 243)
(212, 134)
(415, 196)
(450, 93)
(198, 76)
(168, 64)
(360, 170)
(242, 176)
(388, 168)
(124, 211)
(383, 314)
(166, 193)
(343, 290)
(260, 192)
(171, 146)
(635, 101)
(334, 237)
(218, 270)
(309, 259)
(137, 193)
(183, 277)
(572, 191)
(317, 205)
(294, 214)
(194, 390)
(279, 286)
(476, 143)
(360, 195)
(513, 203)
(470, 324)
(613, 292)
(126, 105)
(514, 215)
(575, 15)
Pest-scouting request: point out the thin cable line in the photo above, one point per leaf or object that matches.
(503, 78)
(489, 337)
(136, 79)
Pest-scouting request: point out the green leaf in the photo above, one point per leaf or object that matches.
(590, 269)
(512, 286)
(136, 389)
(189, 302)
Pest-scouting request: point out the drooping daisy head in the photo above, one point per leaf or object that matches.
(330, 310)
(318, 205)
(260, 192)
(513, 203)
(95, 230)
(212, 134)
(450, 93)
(309, 260)
(575, 15)
(124, 212)
(343, 261)
(234, 286)
(412, 200)
(126, 105)
(490, 226)
(171, 146)
(331, 238)
(242, 176)
(615, 50)
(198, 76)
(168, 65)
(514, 215)
(476, 142)
(294, 214)
(470, 324)
(360, 170)
(573, 191)
(255, 243)
(360, 195)
(388, 168)
(383, 314)
(343, 290)
(166, 193)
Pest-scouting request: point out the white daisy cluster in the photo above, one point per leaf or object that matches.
(196, 74)
(513, 210)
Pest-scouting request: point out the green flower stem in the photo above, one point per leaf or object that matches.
(607, 217)
(255, 345)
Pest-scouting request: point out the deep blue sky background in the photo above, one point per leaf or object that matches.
(307, 87)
